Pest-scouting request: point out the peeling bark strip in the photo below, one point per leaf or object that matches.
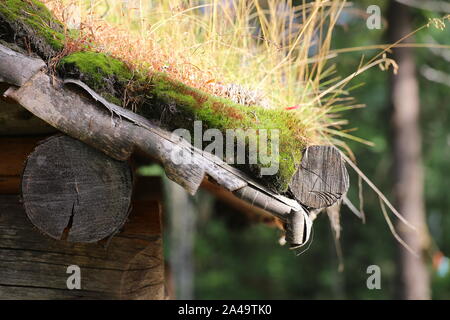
(72, 190)
(321, 179)
(298, 229)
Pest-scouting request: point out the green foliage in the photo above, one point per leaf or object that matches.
(97, 66)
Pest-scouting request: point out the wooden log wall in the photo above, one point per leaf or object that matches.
(129, 265)
(33, 266)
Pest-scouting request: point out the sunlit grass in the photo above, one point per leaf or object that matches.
(275, 50)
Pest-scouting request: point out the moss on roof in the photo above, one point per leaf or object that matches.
(29, 22)
(111, 77)
(104, 74)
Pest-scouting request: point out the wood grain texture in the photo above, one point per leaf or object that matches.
(72, 190)
(33, 266)
(16, 68)
(13, 154)
(321, 179)
(18, 121)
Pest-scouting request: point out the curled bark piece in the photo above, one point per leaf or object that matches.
(298, 228)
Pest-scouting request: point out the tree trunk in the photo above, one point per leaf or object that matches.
(414, 277)
(117, 132)
(182, 222)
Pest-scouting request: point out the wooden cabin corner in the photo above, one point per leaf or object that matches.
(127, 265)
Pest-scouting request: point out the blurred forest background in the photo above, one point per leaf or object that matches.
(216, 252)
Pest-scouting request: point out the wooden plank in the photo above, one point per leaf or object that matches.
(9, 185)
(13, 154)
(147, 199)
(33, 266)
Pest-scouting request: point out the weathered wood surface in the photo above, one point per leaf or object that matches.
(75, 192)
(321, 179)
(323, 162)
(17, 68)
(13, 154)
(237, 203)
(264, 201)
(120, 132)
(298, 228)
(33, 266)
(17, 121)
(310, 193)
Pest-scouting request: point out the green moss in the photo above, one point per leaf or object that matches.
(222, 114)
(97, 65)
(158, 97)
(31, 19)
(106, 75)
(109, 77)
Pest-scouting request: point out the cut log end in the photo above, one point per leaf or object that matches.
(321, 178)
(74, 192)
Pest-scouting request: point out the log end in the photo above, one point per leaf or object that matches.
(73, 192)
(321, 179)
